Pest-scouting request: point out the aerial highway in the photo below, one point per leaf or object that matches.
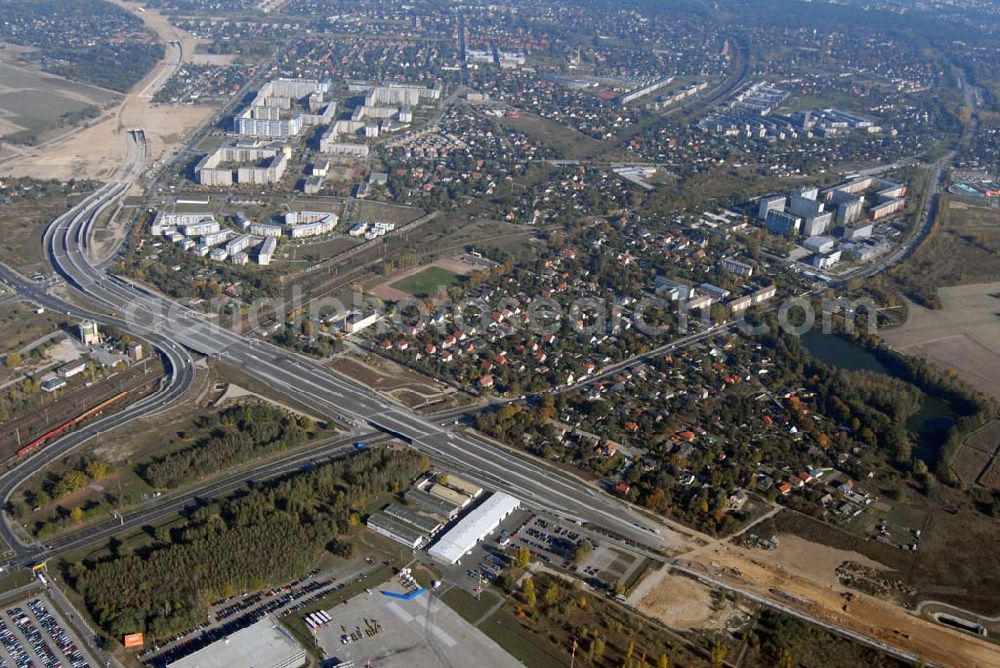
(175, 330)
(322, 391)
(165, 506)
(180, 376)
(316, 387)
(178, 361)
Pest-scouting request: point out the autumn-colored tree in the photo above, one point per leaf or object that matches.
(97, 469)
(551, 595)
(583, 550)
(718, 654)
(654, 500)
(547, 410)
(76, 514)
(522, 557)
(597, 646)
(528, 591)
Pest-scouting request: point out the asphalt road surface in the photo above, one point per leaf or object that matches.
(180, 376)
(316, 387)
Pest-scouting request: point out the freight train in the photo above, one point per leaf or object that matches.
(69, 424)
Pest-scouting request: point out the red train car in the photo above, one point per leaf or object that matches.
(49, 435)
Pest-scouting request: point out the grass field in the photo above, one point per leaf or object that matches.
(34, 100)
(21, 225)
(20, 325)
(976, 453)
(390, 213)
(467, 606)
(523, 643)
(948, 565)
(35, 109)
(963, 248)
(565, 141)
(962, 335)
(427, 282)
(544, 636)
(15, 579)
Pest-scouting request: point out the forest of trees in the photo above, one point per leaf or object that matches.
(239, 434)
(781, 641)
(268, 535)
(973, 408)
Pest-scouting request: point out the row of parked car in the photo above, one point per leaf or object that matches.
(302, 596)
(62, 639)
(38, 641)
(14, 648)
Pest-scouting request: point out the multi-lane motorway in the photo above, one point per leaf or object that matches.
(162, 507)
(175, 330)
(175, 327)
(316, 387)
(180, 376)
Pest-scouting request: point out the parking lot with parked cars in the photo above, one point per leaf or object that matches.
(238, 612)
(32, 635)
(234, 614)
(489, 567)
(550, 542)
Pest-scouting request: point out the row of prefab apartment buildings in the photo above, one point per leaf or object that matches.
(855, 207)
(446, 512)
(751, 113)
(202, 234)
(284, 108)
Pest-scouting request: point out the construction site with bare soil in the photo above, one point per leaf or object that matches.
(97, 150)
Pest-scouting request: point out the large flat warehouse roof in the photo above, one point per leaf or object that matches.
(481, 520)
(423, 522)
(431, 503)
(260, 645)
(396, 529)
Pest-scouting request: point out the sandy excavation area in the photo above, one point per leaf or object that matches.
(678, 601)
(97, 151)
(798, 575)
(963, 335)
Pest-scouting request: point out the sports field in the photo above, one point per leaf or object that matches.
(427, 282)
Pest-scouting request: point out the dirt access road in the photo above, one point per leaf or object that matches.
(98, 151)
(800, 577)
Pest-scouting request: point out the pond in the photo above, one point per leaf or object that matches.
(929, 425)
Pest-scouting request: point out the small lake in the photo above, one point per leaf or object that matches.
(930, 424)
